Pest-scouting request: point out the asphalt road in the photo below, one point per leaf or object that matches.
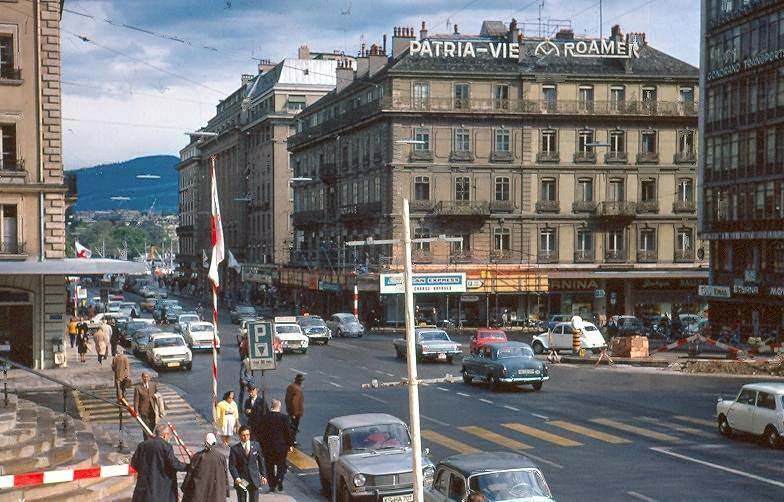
(604, 434)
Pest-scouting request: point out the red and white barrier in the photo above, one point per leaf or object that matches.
(710, 341)
(65, 475)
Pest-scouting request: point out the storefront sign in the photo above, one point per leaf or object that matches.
(745, 290)
(81, 292)
(469, 298)
(667, 284)
(573, 284)
(599, 293)
(738, 235)
(776, 291)
(604, 48)
(713, 291)
(450, 49)
(332, 287)
(747, 64)
(264, 275)
(474, 283)
(424, 283)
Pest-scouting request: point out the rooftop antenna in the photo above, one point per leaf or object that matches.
(601, 27)
(346, 13)
(541, 6)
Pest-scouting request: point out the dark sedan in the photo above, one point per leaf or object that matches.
(505, 363)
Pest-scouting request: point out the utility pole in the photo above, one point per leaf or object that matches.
(601, 27)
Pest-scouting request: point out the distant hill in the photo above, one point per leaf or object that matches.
(98, 184)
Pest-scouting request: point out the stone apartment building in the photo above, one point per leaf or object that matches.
(567, 166)
(252, 170)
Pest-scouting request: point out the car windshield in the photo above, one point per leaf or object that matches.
(346, 318)
(136, 325)
(432, 336)
(311, 321)
(589, 327)
(509, 486)
(201, 327)
(246, 309)
(169, 341)
(286, 328)
(189, 318)
(375, 437)
(491, 334)
(507, 352)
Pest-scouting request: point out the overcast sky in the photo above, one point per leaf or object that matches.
(132, 93)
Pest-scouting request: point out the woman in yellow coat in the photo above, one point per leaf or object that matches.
(227, 417)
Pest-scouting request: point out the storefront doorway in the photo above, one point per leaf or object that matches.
(16, 329)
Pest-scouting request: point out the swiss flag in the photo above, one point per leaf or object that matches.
(81, 251)
(218, 250)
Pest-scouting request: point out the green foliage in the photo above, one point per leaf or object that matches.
(113, 234)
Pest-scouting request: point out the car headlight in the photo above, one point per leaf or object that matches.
(157, 357)
(427, 474)
(188, 356)
(359, 480)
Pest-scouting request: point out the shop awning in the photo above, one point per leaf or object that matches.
(629, 274)
(72, 266)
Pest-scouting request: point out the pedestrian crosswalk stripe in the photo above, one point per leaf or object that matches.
(450, 443)
(698, 421)
(640, 431)
(678, 427)
(495, 438)
(585, 431)
(302, 461)
(543, 435)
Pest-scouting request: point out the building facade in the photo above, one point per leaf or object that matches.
(188, 257)
(567, 167)
(743, 163)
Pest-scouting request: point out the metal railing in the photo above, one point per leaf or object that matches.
(502, 206)
(584, 256)
(648, 206)
(615, 255)
(9, 73)
(616, 157)
(547, 206)
(617, 209)
(547, 256)
(584, 206)
(683, 206)
(12, 248)
(684, 255)
(584, 158)
(647, 256)
(462, 208)
(421, 155)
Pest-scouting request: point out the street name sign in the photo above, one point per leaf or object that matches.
(260, 350)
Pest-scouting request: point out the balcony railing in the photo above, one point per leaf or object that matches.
(616, 158)
(617, 209)
(684, 255)
(461, 257)
(502, 206)
(547, 256)
(648, 206)
(684, 158)
(584, 206)
(683, 206)
(15, 166)
(421, 155)
(547, 206)
(9, 73)
(615, 255)
(462, 208)
(501, 256)
(501, 156)
(584, 256)
(421, 256)
(647, 256)
(548, 157)
(305, 218)
(421, 206)
(12, 248)
(328, 172)
(648, 158)
(584, 158)
(360, 211)
(461, 156)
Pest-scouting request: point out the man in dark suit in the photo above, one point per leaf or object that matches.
(277, 440)
(143, 397)
(246, 467)
(254, 409)
(156, 467)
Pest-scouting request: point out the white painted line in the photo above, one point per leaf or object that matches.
(336, 385)
(364, 367)
(641, 496)
(389, 374)
(435, 421)
(486, 400)
(374, 398)
(442, 389)
(511, 408)
(540, 416)
(295, 370)
(719, 467)
(544, 461)
(463, 394)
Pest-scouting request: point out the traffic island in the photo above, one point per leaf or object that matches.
(769, 367)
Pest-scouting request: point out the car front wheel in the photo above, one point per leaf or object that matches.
(537, 386)
(343, 494)
(279, 356)
(772, 437)
(724, 427)
(538, 347)
(467, 379)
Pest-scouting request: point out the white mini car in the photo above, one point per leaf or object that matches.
(758, 409)
(560, 338)
(290, 335)
(168, 350)
(199, 335)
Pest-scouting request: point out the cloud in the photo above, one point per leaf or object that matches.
(153, 89)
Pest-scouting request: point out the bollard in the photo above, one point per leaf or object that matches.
(576, 342)
(65, 408)
(5, 383)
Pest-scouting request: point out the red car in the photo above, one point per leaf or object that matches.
(484, 336)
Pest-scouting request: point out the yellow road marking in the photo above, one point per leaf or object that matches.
(302, 461)
(496, 438)
(450, 443)
(698, 421)
(636, 430)
(543, 435)
(585, 431)
(679, 428)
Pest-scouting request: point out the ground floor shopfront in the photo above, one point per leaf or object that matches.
(751, 310)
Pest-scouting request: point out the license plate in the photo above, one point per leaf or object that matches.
(441, 355)
(171, 365)
(399, 498)
(526, 372)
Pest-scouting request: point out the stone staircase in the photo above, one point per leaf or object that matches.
(32, 439)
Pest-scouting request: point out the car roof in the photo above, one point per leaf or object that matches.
(475, 463)
(199, 323)
(428, 330)
(166, 334)
(500, 345)
(364, 419)
(774, 387)
(484, 331)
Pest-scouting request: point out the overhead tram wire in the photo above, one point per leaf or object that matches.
(134, 93)
(126, 124)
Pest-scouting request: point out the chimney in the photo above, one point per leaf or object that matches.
(637, 37)
(565, 34)
(303, 52)
(384, 47)
(344, 75)
(363, 64)
(265, 65)
(377, 59)
(400, 40)
(615, 33)
(423, 32)
(456, 32)
(514, 31)
(246, 79)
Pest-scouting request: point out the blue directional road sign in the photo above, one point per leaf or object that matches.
(261, 351)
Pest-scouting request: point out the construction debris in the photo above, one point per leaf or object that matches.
(772, 367)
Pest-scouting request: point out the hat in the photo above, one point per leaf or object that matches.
(209, 439)
(299, 378)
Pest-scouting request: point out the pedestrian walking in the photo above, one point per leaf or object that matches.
(114, 336)
(295, 404)
(101, 337)
(246, 467)
(122, 373)
(227, 417)
(276, 442)
(72, 330)
(144, 401)
(208, 477)
(82, 340)
(156, 468)
(246, 374)
(254, 410)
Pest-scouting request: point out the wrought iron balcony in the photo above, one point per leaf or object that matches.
(502, 206)
(421, 155)
(616, 209)
(421, 206)
(616, 158)
(461, 156)
(7, 72)
(647, 256)
(15, 166)
(421, 256)
(584, 256)
(648, 206)
(360, 211)
(688, 157)
(584, 158)
(543, 157)
(502, 256)
(584, 206)
(615, 255)
(683, 206)
(648, 158)
(497, 156)
(461, 257)
(547, 256)
(308, 218)
(684, 255)
(12, 248)
(456, 208)
(328, 172)
(547, 206)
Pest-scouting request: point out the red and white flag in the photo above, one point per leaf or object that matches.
(81, 251)
(218, 250)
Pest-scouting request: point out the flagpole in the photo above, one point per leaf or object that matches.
(218, 252)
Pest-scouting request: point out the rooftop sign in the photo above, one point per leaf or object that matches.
(450, 49)
(604, 48)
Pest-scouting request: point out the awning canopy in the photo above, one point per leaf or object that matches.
(72, 266)
(630, 274)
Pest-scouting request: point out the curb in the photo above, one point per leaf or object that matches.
(646, 363)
